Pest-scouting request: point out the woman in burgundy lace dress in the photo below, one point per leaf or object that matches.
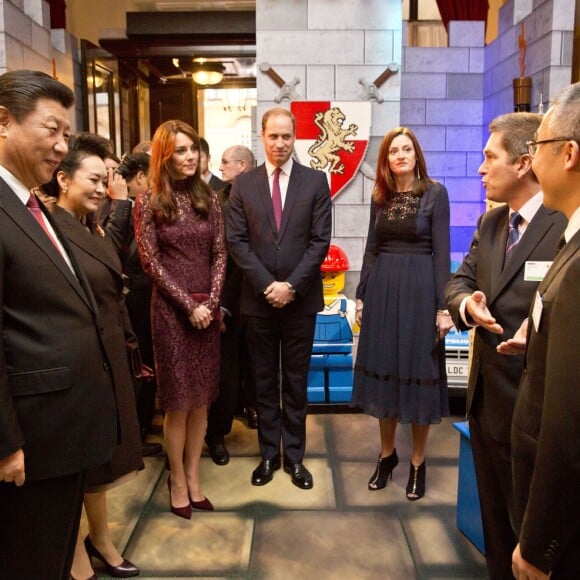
(179, 232)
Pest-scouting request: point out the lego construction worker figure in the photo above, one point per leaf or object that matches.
(330, 375)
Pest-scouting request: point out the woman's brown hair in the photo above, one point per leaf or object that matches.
(163, 179)
(385, 184)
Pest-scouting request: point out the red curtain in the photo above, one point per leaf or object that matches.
(57, 13)
(462, 10)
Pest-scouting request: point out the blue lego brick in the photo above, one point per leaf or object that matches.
(468, 508)
(316, 395)
(339, 394)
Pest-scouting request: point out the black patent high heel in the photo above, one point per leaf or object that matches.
(416, 483)
(383, 470)
(125, 569)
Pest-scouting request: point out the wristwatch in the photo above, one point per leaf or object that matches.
(290, 287)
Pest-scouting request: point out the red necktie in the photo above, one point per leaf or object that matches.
(32, 205)
(277, 197)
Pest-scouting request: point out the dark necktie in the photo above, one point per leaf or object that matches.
(277, 197)
(34, 208)
(513, 234)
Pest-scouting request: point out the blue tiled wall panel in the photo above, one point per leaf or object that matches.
(461, 238)
(464, 189)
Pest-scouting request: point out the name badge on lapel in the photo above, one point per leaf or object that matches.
(535, 271)
(537, 312)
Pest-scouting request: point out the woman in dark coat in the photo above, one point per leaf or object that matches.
(79, 186)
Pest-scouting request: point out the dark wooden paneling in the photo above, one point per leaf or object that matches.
(172, 101)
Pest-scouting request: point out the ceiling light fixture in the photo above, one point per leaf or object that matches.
(207, 73)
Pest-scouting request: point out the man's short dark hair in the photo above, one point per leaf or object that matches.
(21, 89)
(204, 146)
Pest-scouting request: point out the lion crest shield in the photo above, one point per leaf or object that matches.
(332, 137)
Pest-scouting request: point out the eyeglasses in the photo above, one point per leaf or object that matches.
(533, 146)
(224, 162)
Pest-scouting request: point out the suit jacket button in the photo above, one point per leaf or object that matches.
(106, 366)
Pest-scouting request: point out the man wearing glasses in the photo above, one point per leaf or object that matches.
(545, 429)
(492, 291)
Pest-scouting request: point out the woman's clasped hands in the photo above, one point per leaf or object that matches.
(201, 317)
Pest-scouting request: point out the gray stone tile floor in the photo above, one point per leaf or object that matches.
(338, 530)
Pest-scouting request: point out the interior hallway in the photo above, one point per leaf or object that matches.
(338, 530)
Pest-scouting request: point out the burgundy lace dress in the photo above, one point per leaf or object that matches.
(183, 257)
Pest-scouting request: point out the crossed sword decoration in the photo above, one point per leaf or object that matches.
(288, 90)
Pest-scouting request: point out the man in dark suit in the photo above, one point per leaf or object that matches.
(546, 423)
(278, 229)
(214, 182)
(492, 291)
(235, 160)
(57, 408)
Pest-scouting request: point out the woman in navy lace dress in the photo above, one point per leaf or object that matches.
(400, 367)
(180, 237)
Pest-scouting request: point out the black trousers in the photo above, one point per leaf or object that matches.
(138, 304)
(493, 470)
(223, 409)
(281, 341)
(39, 523)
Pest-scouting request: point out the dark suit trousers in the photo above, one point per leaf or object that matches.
(281, 341)
(138, 304)
(223, 409)
(494, 480)
(39, 523)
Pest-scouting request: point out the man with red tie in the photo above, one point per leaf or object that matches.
(278, 229)
(57, 408)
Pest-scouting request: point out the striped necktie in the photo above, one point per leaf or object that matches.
(513, 233)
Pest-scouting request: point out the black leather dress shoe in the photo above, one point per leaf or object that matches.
(264, 473)
(301, 477)
(251, 417)
(150, 449)
(218, 451)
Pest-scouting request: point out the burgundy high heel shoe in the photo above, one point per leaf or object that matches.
(182, 512)
(203, 504)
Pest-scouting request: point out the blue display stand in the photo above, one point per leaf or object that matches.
(468, 509)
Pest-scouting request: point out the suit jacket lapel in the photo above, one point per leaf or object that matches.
(89, 243)
(498, 253)
(534, 234)
(18, 212)
(291, 195)
(266, 197)
(567, 252)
